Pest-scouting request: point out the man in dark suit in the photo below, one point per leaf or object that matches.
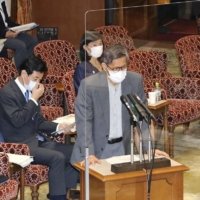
(102, 122)
(22, 43)
(21, 121)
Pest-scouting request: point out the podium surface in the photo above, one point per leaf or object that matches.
(167, 183)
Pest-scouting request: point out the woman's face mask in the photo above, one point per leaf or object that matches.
(97, 51)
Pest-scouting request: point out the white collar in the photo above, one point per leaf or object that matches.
(21, 87)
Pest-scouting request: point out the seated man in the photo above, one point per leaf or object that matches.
(22, 43)
(21, 121)
(102, 122)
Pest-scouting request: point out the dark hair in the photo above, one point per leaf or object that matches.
(88, 36)
(32, 64)
(113, 52)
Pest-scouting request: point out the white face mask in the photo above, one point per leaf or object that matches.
(117, 77)
(30, 86)
(96, 52)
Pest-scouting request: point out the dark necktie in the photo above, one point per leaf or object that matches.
(27, 95)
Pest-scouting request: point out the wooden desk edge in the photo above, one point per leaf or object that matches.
(158, 105)
(166, 170)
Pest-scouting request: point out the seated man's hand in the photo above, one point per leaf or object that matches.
(62, 125)
(161, 153)
(92, 160)
(37, 91)
(11, 34)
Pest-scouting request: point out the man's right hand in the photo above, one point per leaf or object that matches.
(37, 91)
(11, 34)
(92, 160)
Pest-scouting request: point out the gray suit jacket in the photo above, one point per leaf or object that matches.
(93, 117)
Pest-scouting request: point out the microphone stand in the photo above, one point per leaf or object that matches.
(133, 124)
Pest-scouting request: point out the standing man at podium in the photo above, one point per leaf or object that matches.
(102, 121)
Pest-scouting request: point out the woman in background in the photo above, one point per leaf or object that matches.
(91, 48)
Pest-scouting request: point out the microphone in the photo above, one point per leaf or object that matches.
(125, 102)
(142, 109)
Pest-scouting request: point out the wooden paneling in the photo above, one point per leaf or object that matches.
(138, 18)
(68, 16)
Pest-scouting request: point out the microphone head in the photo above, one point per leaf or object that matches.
(123, 99)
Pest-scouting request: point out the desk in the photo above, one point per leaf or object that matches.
(167, 183)
(162, 107)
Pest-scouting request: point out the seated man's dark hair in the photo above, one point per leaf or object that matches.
(32, 64)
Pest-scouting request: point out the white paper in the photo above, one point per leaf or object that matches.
(22, 160)
(70, 119)
(121, 159)
(24, 27)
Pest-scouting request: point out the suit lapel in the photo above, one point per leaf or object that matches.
(18, 92)
(103, 95)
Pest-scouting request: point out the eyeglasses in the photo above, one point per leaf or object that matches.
(117, 69)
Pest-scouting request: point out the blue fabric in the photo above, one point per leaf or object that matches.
(27, 95)
(1, 138)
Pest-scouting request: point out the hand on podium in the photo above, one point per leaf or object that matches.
(92, 160)
(161, 153)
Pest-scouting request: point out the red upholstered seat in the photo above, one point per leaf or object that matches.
(34, 174)
(60, 56)
(188, 50)
(150, 64)
(8, 189)
(116, 35)
(69, 90)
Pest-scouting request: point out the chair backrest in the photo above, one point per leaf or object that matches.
(69, 91)
(8, 71)
(188, 50)
(116, 35)
(59, 55)
(147, 63)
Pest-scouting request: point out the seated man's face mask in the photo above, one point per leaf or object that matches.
(30, 86)
(31, 83)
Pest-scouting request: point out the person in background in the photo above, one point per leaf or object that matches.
(21, 121)
(91, 48)
(22, 43)
(102, 121)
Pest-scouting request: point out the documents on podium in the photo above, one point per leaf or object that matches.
(22, 160)
(24, 27)
(70, 119)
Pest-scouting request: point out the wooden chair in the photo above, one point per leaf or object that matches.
(9, 188)
(34, 174)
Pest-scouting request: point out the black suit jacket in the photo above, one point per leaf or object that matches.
(20, 121)
(2, 25)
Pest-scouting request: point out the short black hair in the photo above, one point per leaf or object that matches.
(88, 36)
(32, 64)
(113, 52)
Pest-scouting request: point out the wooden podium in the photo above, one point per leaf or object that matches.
(167, 183)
